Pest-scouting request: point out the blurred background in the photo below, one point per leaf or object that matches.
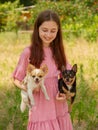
(79, 19)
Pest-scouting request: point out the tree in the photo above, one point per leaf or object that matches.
(23, 2)
(28, 2)
(3, 1)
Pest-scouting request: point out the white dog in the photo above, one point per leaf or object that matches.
(33, 79)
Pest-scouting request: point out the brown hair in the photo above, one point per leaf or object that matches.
(37, 53)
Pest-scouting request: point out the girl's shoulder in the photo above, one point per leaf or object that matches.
(25, 53)
(26, 50)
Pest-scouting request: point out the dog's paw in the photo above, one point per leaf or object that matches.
(32, 103)
(47, 98)
(30, 107)
(72, 94)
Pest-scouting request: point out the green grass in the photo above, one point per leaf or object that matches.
(85, 109)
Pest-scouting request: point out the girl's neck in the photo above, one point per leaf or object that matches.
(46, 45)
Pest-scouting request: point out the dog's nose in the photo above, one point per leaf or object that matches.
(67, 79)
(37, 79)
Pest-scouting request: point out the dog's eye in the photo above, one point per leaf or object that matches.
(65, 75)
(40, 76)
(71, 75)
(33, 76)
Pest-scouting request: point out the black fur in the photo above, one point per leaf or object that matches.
(73, 89)
(68, 75)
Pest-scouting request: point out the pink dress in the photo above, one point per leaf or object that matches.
(45, 115)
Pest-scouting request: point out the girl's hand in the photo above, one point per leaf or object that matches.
(60, 97)
(23, 87)
(20, 85)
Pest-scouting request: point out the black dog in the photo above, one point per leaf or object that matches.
(67, 84)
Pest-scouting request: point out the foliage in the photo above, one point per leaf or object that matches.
(28, 2)
(78, 18)
(84, 113)
(23, 2)
(85, 105)
(8, 16)
(76, 22)
(3, 1)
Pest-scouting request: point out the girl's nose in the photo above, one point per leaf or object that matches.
(48, 34)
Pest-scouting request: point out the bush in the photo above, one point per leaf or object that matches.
(9, 16)
(79, 19)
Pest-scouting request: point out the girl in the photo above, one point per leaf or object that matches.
(46, 48)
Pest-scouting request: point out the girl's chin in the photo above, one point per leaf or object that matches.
(46, 44)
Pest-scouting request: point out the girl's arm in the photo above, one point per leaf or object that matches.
(20, 70)
(23, 87)
(19, 85)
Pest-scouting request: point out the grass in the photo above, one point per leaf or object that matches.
(85, 109)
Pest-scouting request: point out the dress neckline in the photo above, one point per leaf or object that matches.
(46, 48)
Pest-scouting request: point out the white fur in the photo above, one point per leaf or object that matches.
(69, 87)
(31, 85)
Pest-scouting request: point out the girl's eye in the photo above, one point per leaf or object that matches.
(44, 30)
(53, 31)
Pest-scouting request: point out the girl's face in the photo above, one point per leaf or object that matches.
(47, 32)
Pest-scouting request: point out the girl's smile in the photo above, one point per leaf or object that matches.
(48, 32)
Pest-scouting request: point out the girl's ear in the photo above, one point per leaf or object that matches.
(44, 68)
(30, 68)
(74, 68)
(63, 68)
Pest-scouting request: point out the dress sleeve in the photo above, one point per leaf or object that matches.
(20, 71)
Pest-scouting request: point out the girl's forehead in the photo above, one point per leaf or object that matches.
(49, 24)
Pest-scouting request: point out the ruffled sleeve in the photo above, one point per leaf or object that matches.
(20, 71)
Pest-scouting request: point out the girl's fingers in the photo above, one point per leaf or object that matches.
(60, 96)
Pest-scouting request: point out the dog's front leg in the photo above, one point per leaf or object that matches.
(31, 97)
(70, 108)
(24, 101)
(44, 91)
(64, 89)
(72, 94)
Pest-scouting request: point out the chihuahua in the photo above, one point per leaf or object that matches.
(33, 79)
(67, 84)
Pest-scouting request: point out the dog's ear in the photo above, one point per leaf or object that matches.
(30, 68)
(63, 68)
(44, 68)
(74, 68)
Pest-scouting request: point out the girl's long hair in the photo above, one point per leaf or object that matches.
(36, 48)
